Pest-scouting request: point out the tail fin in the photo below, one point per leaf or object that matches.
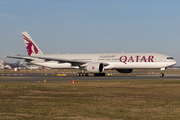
(32, 48)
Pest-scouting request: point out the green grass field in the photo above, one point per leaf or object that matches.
(91, 100)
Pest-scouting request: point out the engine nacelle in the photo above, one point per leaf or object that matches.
(124, 70)
(95, 68)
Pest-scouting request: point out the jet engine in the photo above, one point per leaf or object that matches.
(95, 68)
(124, 70)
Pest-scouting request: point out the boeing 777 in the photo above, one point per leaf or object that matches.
(94, 63)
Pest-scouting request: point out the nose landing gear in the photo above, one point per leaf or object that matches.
(162, 72)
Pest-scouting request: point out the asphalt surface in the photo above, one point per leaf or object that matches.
(30, 78)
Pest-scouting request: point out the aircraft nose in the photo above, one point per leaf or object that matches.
(174, 62)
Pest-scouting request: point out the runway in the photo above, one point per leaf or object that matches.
(88, 78)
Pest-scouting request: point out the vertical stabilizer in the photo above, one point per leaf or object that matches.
(32, 48)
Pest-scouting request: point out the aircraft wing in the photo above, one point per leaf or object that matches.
(46, 59)
(26, 58)
(60, 60)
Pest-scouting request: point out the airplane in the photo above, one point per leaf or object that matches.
(94, 63)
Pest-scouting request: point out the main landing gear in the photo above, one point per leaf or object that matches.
(87, 74)
(99, 74)
(83, 74)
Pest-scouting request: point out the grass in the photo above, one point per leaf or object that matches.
(91, 100)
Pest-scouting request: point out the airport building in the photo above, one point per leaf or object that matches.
(18, 65)
(1, 64)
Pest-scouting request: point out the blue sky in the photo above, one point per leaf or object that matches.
(91, 26)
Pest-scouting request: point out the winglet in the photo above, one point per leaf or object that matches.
(32, 48)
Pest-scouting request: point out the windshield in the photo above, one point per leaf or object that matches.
(170, 58)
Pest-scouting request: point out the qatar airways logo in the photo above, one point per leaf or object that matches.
(93, 67)
(124, 59)
(30, 46)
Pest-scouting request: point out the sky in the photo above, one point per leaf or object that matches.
(91, 26)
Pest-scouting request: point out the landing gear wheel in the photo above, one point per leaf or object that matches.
(99, 74)
(162, 74)
(82, 74)
(103, 74)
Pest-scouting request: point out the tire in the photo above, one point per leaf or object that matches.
(103, 74)
(162, 75)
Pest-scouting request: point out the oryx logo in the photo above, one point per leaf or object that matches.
(30, 46)
(93, 67)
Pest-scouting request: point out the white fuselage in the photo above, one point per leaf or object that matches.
(114, 60)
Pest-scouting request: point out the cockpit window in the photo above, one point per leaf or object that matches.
(170, 58)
